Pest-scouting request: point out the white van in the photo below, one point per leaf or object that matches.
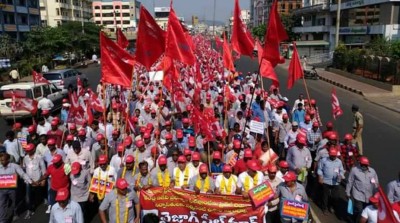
(28, 90)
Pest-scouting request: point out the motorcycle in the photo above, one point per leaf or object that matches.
(311, 74)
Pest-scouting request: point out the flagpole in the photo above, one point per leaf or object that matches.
(105, 115)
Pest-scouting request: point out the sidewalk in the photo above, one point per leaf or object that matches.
(372, 94)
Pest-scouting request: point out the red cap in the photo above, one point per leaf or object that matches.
(57, 119)
(252, 165)
(51, 142)
(285, 116)
(179, 134)
(75, 168)
(45, 112)
(153, 111)
(307, 118)
(70, 137)
(283, 164)
(162, 160)
(62, 194)
(65, 100)
(236, 144)
(290, 176)
(103, 159)
(57, 158)
(186, 120)
(364, 160)
(30, 147)
(122, 184)
(31, 129)
(333, 152)
(128, 141)
(135, 119)
(315, 124)
(154, 150)
(149, 126)
(348, 137)
(301, 139)
(115, 132)
(192, 142)
(139, 143)
(120, 148)
(99, 137)
(332, 136)
(189, 107)
(196, 156)
(313, 102)
(227, 168)
(220, 146)
(82, 132)
(248, 153)
(157, 132)
(329, 124)
(217, 155)
(240, 97)
(129, 159)
(311, 112)
(182, 159)
(203, 168)
(17, 125)
(187, 152)
(168, 123)
(72, 126)
(375, 199)
(272, 169)
(168, 136)
(146, 135)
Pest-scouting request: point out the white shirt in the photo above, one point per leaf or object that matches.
(110, 173)
(45, 104)
(194, 169)
(370, 213)
(221, 177)
(179, 184)
(43, 129)
(14, 148)
(242, 179)
(14, 74)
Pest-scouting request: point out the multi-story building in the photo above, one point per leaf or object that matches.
(161, 17)
(245, 15)
(261, 9)
(55, 12)
(122, 14)
(18, 17)
(195, 20)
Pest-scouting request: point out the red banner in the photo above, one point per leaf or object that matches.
(8, 181)
(175, 205)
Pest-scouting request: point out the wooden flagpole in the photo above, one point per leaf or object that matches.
(105, 115)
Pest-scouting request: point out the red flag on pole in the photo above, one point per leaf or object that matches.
(121, 39)
(336, 110)
(218, 42)
(26, 104)
(295, 68)
(274, 35)
(38, 78)
(150, 44)
(227, 56)
(116, 63)
(241, 39)
(385, 210)
(177, 46)
(13, 102)
(266, 69)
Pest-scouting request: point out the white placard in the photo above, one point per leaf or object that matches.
(156, 75)
(257, 127)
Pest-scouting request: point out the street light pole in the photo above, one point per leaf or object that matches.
(83, 23)
(215, 6)
(337, 23)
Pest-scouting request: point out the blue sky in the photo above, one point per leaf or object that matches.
(201, 8)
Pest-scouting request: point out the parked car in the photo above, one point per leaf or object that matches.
(32, 91)
(65, 78)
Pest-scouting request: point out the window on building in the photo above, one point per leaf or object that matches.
(57, 11)
(8, 18)
(117, 14)
(106, 7)
(98, 22)
(22, 19)
(108, 14)
(126, 22)
(125, 14)
(125, 7)
(108, 22)
(33, 3)
(34, 20)
(97, 7)
(10, 2)
(118, 21)
(298, 6)
(291, 6)
(321, 22)
(97, 14)
(117, 7)
(21, 3)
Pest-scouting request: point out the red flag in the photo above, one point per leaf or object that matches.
(89, 114)
(26, 104)
(13, 102)
(385, 210)
(38, 78)
(116, 63)
(266, 69)
(218, 42)
(275, 34)
(336, 110)
(228, 61)
(79, 87)
(95, 102)
(177, 46)
(295, 68)
(73, 98)
(241, 39)
(121, 39)
(150, 44)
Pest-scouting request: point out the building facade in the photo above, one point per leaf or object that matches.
(261, 9)
(19, 17)
(56, 12)
(111, 14)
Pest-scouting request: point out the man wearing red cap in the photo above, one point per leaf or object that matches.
(117, 161)
(361, 185)
(314, 137)
(58, 174)
(280, 130)
(225, 183)
(182, 174)
(114, 116)
(152, 160)
(104, 173)
(370, 212)
(217, 165)
(52, 152)
(235, 154)
(160, 175)
(43, 126)
(299, 158)
(283, 169)
(80, 182)
(32, 136)
(68, 143)
(55, 133)
(98, 149)
(169, 145)
(82, 156)
(273, 211)
(181, 141)
(141, 153)
(86, 142)
(114, 141)
(120, 204)
(330, 174)
(142, 180)
(35, 169)
(249, 179)
(194, 165)
(349, 152)
(65, 210)
(202, 183)
(128, 171)
(241, 164)
(187, 128)
(168, 129)
(323, 152)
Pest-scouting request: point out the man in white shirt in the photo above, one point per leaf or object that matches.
(45, 103)
(13, 147)
(370, 213)
(249, 179)
(14, 75)
(182, 174)
(43, 126)
(225, 183)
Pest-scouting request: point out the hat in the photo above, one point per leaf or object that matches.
(72, 126)
(196, 156)
(315, 124)
(70, 137)
(146, 135)
(45, 112)
(307, 118)
(114, 106)
(51, 142)
(216, 155)
(75, 168)
(162, 160)
(149, 126)
(57, 158)
(313, 102)
(272, 169)
(364, 160)
(154, 150)
(168, 123)
(82, 132)
(236, 144)
(157, 132)
(122, 184)
(65, 100)
(329, 124)
(252, 165)
(312, 112)
(31, 129)
(62, 194)
(179, 134)
(187, 152)
(332, 136)
(285, 116)
(290, 176)
(283, 164)
(139, 143)
(301, 139)
(17, 125)
(333, 152)
(115, 132)
(189, 107)
(192, 143)
(294, 123)
(168, 136)
(30, 147)
(103, 159)
(129, 159)
(348, 137)
(120, 148)
(227, 168)
(355, 107)
(186, 120)
(99, 137)
(375, 198)
(182, 159)
(127, 141)
(153, 111)
(248, 153)
(203, 168)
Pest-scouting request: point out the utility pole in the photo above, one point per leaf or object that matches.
(82, 18)
(339, 2)
(215, 6)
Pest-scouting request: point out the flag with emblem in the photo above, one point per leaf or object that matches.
(336, 110)
(38, 78)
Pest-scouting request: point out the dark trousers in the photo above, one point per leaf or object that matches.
(52, 196)
(85, 211)
(7, 204)
(329, 193)
(272, 216)
(33, 195)
(357, 209)
(281, 151)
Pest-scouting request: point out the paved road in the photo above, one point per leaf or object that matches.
(381, 125)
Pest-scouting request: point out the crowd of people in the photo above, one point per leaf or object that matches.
(152, 138)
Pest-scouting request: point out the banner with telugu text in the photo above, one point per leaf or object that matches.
(175, 205)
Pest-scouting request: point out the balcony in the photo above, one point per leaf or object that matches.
(311, 29)
(312, 9)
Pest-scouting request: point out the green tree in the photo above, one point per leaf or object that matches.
(259, 31)
(395, 49)
(9, 48)
(379, 47)
(290, 21)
